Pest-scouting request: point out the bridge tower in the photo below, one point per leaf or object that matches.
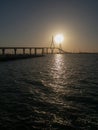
(52, 45)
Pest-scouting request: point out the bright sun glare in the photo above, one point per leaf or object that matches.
(59, 38)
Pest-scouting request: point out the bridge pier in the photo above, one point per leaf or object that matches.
(42, 51)
(15, 51)
(46, 50)
(3, 51)
(52, 51)
(35, 51)
(30, 51)
(23, 51)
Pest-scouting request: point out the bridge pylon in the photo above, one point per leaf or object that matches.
(52, 45)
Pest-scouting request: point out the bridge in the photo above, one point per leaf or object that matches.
(13, 53)
(32, 50)
(27, 52)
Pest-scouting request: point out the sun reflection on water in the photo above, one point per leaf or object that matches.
(57, 72)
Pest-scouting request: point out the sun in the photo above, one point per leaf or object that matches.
(59, 38)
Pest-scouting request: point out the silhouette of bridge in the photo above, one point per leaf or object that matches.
(26, 52)
(44, 50)
(32, 50)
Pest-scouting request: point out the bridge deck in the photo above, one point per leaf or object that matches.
(9, 56)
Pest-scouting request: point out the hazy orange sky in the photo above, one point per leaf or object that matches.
(33, 22)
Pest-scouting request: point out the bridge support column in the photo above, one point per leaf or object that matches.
(3, 51)
(15, 51)
(30, 51)
(23, 51)
(42, 51)
(52, 51)
(46, 50)
(35, 51)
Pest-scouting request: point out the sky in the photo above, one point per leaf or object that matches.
(33, 22)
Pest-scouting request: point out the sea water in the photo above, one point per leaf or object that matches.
(54, 92)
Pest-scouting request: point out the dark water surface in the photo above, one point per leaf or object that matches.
(55, 92)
